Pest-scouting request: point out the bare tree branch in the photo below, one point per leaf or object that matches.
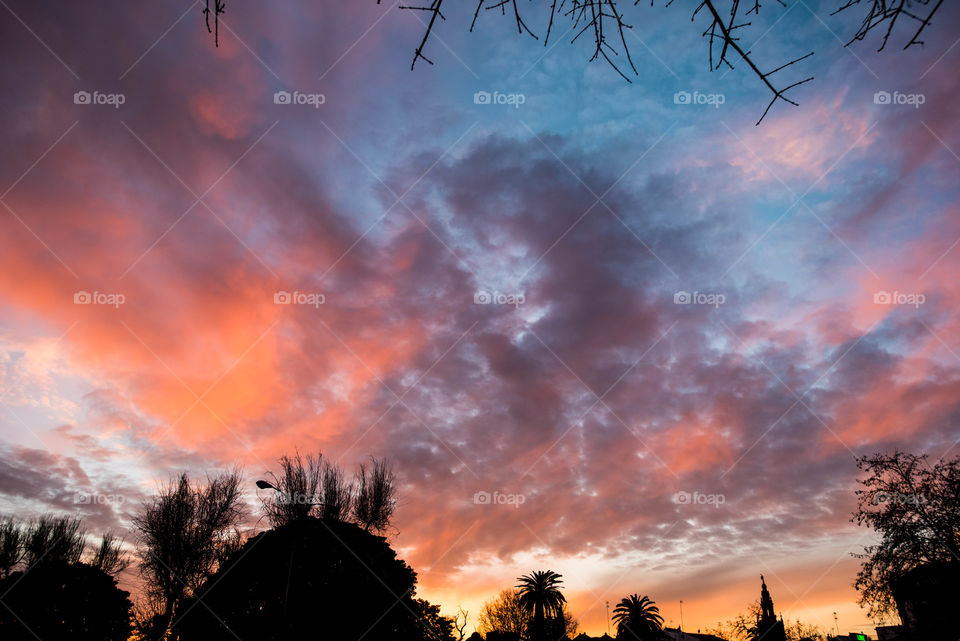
(724, 33)
(890, 11)
(218, 7)
(605, 22)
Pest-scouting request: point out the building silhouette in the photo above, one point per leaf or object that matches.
(769, 627)
(676, 634)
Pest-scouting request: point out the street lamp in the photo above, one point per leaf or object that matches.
(266, 485)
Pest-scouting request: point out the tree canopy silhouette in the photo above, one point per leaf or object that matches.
(50, 592)
(184, 532)
(63, 602)
(540, 596)
(638, 619)
(312, 577)
(915, 508)
(743, 627)
(314, 487)
(505, 614)
(322, 569)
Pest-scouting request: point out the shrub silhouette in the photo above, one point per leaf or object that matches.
(308, 578)
(58, 601)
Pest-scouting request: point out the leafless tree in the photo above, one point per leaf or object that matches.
(375, 499)
(337, 493)
(12, 538)
(314, 487)
(183, 534)
(890, 12)
(53, 539)
(56, 539)
(109, 556)
(299, 490)
(604, 23)
(503, 614)
(460, 620)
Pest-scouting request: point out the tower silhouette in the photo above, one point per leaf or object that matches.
(769, 628)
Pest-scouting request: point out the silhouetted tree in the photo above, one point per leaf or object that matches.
(298, 490)
(605, 27)
(184, 533)
(915, 508)
(460, 620)
(743, 627)
(337, 493)
(11, 546)
(109, 556)
(638, 619)
(723, 630)
(506, 614)
(503, 614)
(57, 601)
(917, 12)
(308, 578)
(50, 592)
(799, 631)
(604, 24)
(54, 540)
(313, 487)
(540, 595)
(375, 499)
(432, 624)
(559, 627)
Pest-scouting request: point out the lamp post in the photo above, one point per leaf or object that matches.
(681, 615)
(266, 485)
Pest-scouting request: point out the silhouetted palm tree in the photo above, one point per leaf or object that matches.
(540, 593)
(638, 619)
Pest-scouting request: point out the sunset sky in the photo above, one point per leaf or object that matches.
(638, 444)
